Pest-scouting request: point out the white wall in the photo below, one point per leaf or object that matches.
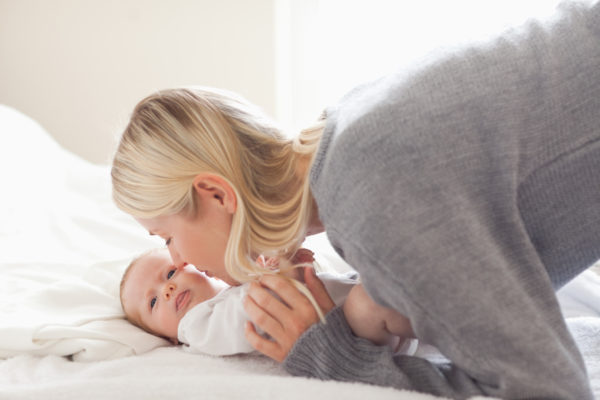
(335, 45)
(79, 66)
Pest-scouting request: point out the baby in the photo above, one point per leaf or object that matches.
(184, 305)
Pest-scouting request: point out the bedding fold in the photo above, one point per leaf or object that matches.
(64, 310)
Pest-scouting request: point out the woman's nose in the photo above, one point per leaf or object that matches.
(181, 265)
(169, 290)
(177, 260)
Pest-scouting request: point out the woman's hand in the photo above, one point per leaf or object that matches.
(284, 321)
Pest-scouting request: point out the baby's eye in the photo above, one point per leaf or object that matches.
(168, 242)
(152, 302)
(170, 274)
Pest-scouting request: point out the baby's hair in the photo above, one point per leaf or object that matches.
(135, 321)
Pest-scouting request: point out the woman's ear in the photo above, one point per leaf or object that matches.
(215, 187)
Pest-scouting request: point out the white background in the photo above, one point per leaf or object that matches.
(80, 66)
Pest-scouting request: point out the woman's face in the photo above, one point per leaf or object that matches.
(200, 240)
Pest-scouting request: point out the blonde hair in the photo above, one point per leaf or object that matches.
(175, 134)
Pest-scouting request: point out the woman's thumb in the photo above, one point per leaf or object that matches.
(318, 290)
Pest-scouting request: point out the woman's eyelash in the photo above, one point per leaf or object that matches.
(152, 302)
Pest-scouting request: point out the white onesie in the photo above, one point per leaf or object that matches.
(216, 326)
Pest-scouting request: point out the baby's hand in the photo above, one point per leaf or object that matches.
(303, 256)
(271, 263)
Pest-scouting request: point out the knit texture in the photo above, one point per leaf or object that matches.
(465, 192)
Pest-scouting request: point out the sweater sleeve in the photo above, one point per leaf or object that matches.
(437, 188)
(331, 351)
(500, 327)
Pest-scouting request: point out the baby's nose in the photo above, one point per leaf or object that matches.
(169, 290)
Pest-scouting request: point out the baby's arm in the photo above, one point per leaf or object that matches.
(371, 321)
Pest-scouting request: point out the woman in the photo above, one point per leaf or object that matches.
(464, 193)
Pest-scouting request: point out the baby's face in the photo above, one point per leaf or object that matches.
(157, 294)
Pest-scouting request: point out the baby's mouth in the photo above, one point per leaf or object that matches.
(182, 299)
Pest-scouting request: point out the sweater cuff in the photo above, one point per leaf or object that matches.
(331, 351)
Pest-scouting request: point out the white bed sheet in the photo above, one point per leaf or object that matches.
(63, 247)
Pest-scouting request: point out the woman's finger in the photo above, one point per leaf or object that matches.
(296, 317)
(290, 295)
(263, 345)
(264, 310)
(284, 313)
(318, 290)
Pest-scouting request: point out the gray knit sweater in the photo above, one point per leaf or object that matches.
(465, 193)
